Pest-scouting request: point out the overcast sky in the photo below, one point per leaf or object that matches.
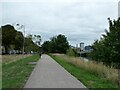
(79, 20)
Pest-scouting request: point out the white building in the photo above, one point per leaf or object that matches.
(82, 46)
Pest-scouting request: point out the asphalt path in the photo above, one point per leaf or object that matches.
(49, 74)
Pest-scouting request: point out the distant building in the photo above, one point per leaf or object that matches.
(119, 9)
(76, 45)
(82, 46)
(88, 48)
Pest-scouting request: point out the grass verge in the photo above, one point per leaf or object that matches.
(109, 73)
(6, 59)
(89, 79)
(15, 74)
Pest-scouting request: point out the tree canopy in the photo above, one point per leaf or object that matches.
(8, 36)
(57, 44)
(107, 49)
(30, 45)
(14, 40)
(18, 41)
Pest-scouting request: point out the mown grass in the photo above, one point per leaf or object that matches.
(15, 74)
(88, 78)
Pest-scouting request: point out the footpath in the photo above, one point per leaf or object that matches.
(49, 74)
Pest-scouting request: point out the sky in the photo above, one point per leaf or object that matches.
(79, 20)
(119, 9)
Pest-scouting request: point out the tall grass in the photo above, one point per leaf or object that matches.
(11, 58)
(99, 69)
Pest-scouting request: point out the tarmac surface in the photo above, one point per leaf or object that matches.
(49, 74)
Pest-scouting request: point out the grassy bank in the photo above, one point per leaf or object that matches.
(0, 72)
(15, 74)
(12, 58)
(86, 76)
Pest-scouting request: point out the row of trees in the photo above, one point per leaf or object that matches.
(14, 40)
(57, 44)
(107, 49)
(32, 43)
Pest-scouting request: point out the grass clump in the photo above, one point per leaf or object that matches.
(15, 74)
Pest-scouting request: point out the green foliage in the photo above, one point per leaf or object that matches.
(14, 40)
(8, 36)
(58, 44)
(46, 46)
(70, 52)
(107, 49)
(18, 41)
(30, 45)
(61, 44)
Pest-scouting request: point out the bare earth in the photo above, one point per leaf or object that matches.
(49, 74)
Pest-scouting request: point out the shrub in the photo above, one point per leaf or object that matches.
(70, 52)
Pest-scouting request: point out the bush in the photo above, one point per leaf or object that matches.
(70, 52)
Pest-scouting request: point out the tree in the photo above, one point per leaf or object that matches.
(61, 44)
(8, 36)
(37, 39)
(30, 45)
(107, 49)
(46, 47)
(13, 40)
(57, 44)
(53, 45)
(19, 41)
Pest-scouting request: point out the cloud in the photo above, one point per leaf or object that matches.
(58, 1)
(79, 21)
